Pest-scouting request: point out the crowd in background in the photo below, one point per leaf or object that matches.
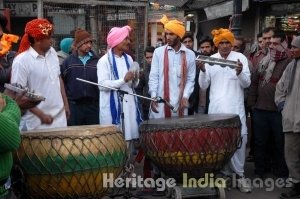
(262, 89)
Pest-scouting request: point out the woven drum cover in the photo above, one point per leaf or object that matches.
(194, 145)
(70, 162)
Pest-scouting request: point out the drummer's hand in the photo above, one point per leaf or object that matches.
(239, 68)
(2, 103)
(129, 76)
(154, 106)
(201, 66)
(23, 101)
(46, 119)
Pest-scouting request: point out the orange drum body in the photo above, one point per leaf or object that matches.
(194, 145)
(70, 162)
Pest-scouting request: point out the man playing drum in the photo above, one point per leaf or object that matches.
(172, 74)
(9, 135)
(227, 94)
(37, 67)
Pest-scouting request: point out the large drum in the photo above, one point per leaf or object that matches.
(70, 162)
(194, 145)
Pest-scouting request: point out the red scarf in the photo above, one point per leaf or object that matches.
(181, 85)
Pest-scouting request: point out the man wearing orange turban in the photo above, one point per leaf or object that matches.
(172, 74)
(227, 94)
(37, 68)
(6, 55)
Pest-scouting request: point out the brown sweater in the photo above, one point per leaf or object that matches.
(263, 97)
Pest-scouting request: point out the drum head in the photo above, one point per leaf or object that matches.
(195, 121)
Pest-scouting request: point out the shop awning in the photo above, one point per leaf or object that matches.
(194, 4)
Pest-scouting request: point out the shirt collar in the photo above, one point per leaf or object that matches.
(35, 54)
(182, 48)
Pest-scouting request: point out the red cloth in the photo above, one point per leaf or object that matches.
(181, 85)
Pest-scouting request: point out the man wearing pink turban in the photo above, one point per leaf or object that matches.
(115, 70)
(227, 95)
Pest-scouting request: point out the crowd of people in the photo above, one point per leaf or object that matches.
(263, 84)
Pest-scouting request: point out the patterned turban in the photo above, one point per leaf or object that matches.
(38, 29)
(222, 34)
(116, 35)
(174, 26)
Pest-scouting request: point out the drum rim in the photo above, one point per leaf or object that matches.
(220, 120)
(73, 131)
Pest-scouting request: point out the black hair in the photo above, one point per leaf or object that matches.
(259, 35)
(242, 39)
(268, 29)
(206, 39)
(279, 34)
(3, 22)
(188, 35)
(30, 39)
(149, 49)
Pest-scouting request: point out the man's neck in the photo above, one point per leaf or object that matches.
(39, 51)
(118, 52)
(81, 54)
(224, 56)
(176, 47)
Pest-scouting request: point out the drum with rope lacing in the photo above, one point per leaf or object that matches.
(194, 145)
(69, 162)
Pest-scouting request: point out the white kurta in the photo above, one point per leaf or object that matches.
(41, 75)
(226, 95)
(105, 78)
(156, 77)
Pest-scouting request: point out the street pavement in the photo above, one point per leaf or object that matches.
(268, 191)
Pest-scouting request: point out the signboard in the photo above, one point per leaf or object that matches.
(21, 9)
(120, 16)
(29, 9)
(223, 9)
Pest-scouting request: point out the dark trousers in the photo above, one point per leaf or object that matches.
(267, 127)
(83, 113)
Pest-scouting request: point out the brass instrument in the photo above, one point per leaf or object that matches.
(216, 61)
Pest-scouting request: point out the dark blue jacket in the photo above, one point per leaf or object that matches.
(72, 68)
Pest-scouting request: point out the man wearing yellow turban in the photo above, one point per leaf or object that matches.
(172, 72)
(227, 94)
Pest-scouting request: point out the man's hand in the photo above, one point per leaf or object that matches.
(46, 119)
(154, 106)
(2, 103)
(239, 67)
(129, 76)
(23, 101)
(201, 66)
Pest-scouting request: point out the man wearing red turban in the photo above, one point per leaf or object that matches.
(37, 67)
